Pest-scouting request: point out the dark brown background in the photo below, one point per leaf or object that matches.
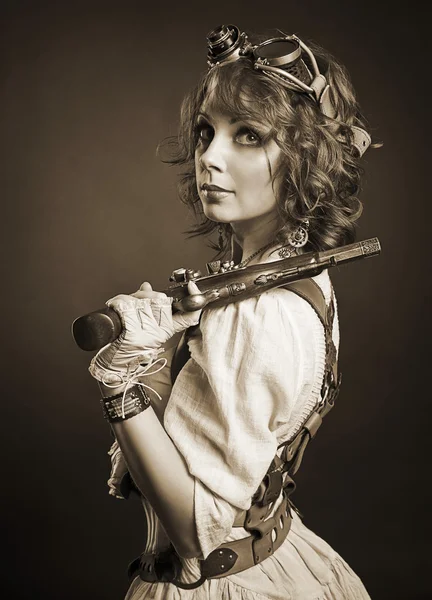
(88, 211)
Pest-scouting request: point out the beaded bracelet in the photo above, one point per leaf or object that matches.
(125, 405)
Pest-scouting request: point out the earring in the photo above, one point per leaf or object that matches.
(299, 237)
(221, 241)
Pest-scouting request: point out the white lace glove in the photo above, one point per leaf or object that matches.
(148, 323)
(118, 471)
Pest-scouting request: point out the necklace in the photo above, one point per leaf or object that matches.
(216, 266)
(247, 260)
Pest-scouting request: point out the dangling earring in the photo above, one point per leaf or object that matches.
(215, 266)
(221, 241)
(299, 237)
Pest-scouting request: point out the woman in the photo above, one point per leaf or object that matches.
(272, 149)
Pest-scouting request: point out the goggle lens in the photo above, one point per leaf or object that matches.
(279, 52)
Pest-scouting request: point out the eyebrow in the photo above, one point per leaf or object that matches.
(259, 128)
(232, 121)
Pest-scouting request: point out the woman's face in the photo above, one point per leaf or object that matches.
(234, 168)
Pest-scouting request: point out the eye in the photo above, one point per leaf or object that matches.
(203, 132)
(248, 137)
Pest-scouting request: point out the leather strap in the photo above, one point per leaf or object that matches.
(294, 449)
(267, 536)
(311, 292)
(230, 558)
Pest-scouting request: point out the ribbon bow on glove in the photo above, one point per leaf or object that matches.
(148, 322)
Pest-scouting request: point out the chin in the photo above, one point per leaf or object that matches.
(217, 213)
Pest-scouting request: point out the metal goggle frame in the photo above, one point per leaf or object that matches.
(280, 58)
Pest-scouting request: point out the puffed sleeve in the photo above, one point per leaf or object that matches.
(236, 399)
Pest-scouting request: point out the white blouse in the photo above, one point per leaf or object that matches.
(254, 376)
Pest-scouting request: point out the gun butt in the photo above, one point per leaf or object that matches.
(96, 329)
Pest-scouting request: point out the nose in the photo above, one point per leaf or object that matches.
(213, 157)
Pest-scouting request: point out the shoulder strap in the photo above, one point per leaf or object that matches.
(312, 293)
(294, 449)
(282, 468)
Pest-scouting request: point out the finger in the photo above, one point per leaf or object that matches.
(144, 294)
(146, 291)
(154, 296)
(193, 289)
(184, 320)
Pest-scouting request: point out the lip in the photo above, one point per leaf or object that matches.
(207, 187)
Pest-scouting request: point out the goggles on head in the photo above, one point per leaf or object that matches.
(282, 59)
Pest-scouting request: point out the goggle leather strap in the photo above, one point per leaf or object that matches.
(361, 138)
(322, 96)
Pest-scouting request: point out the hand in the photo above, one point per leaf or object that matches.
(148, 323)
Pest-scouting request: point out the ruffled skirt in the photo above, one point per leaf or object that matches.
(305, 567)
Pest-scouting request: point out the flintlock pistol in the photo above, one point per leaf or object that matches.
(224, 285)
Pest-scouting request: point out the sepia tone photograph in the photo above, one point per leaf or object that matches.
(217, 290)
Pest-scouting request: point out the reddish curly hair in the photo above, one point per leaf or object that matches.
(320, 170)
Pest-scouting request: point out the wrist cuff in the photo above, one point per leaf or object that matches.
(125, 405)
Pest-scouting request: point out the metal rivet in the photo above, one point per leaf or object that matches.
(222, 566)
(230, 556)
(220, 552)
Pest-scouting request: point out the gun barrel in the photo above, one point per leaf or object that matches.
(363, 249)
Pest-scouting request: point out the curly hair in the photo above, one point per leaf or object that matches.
(319, 173)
